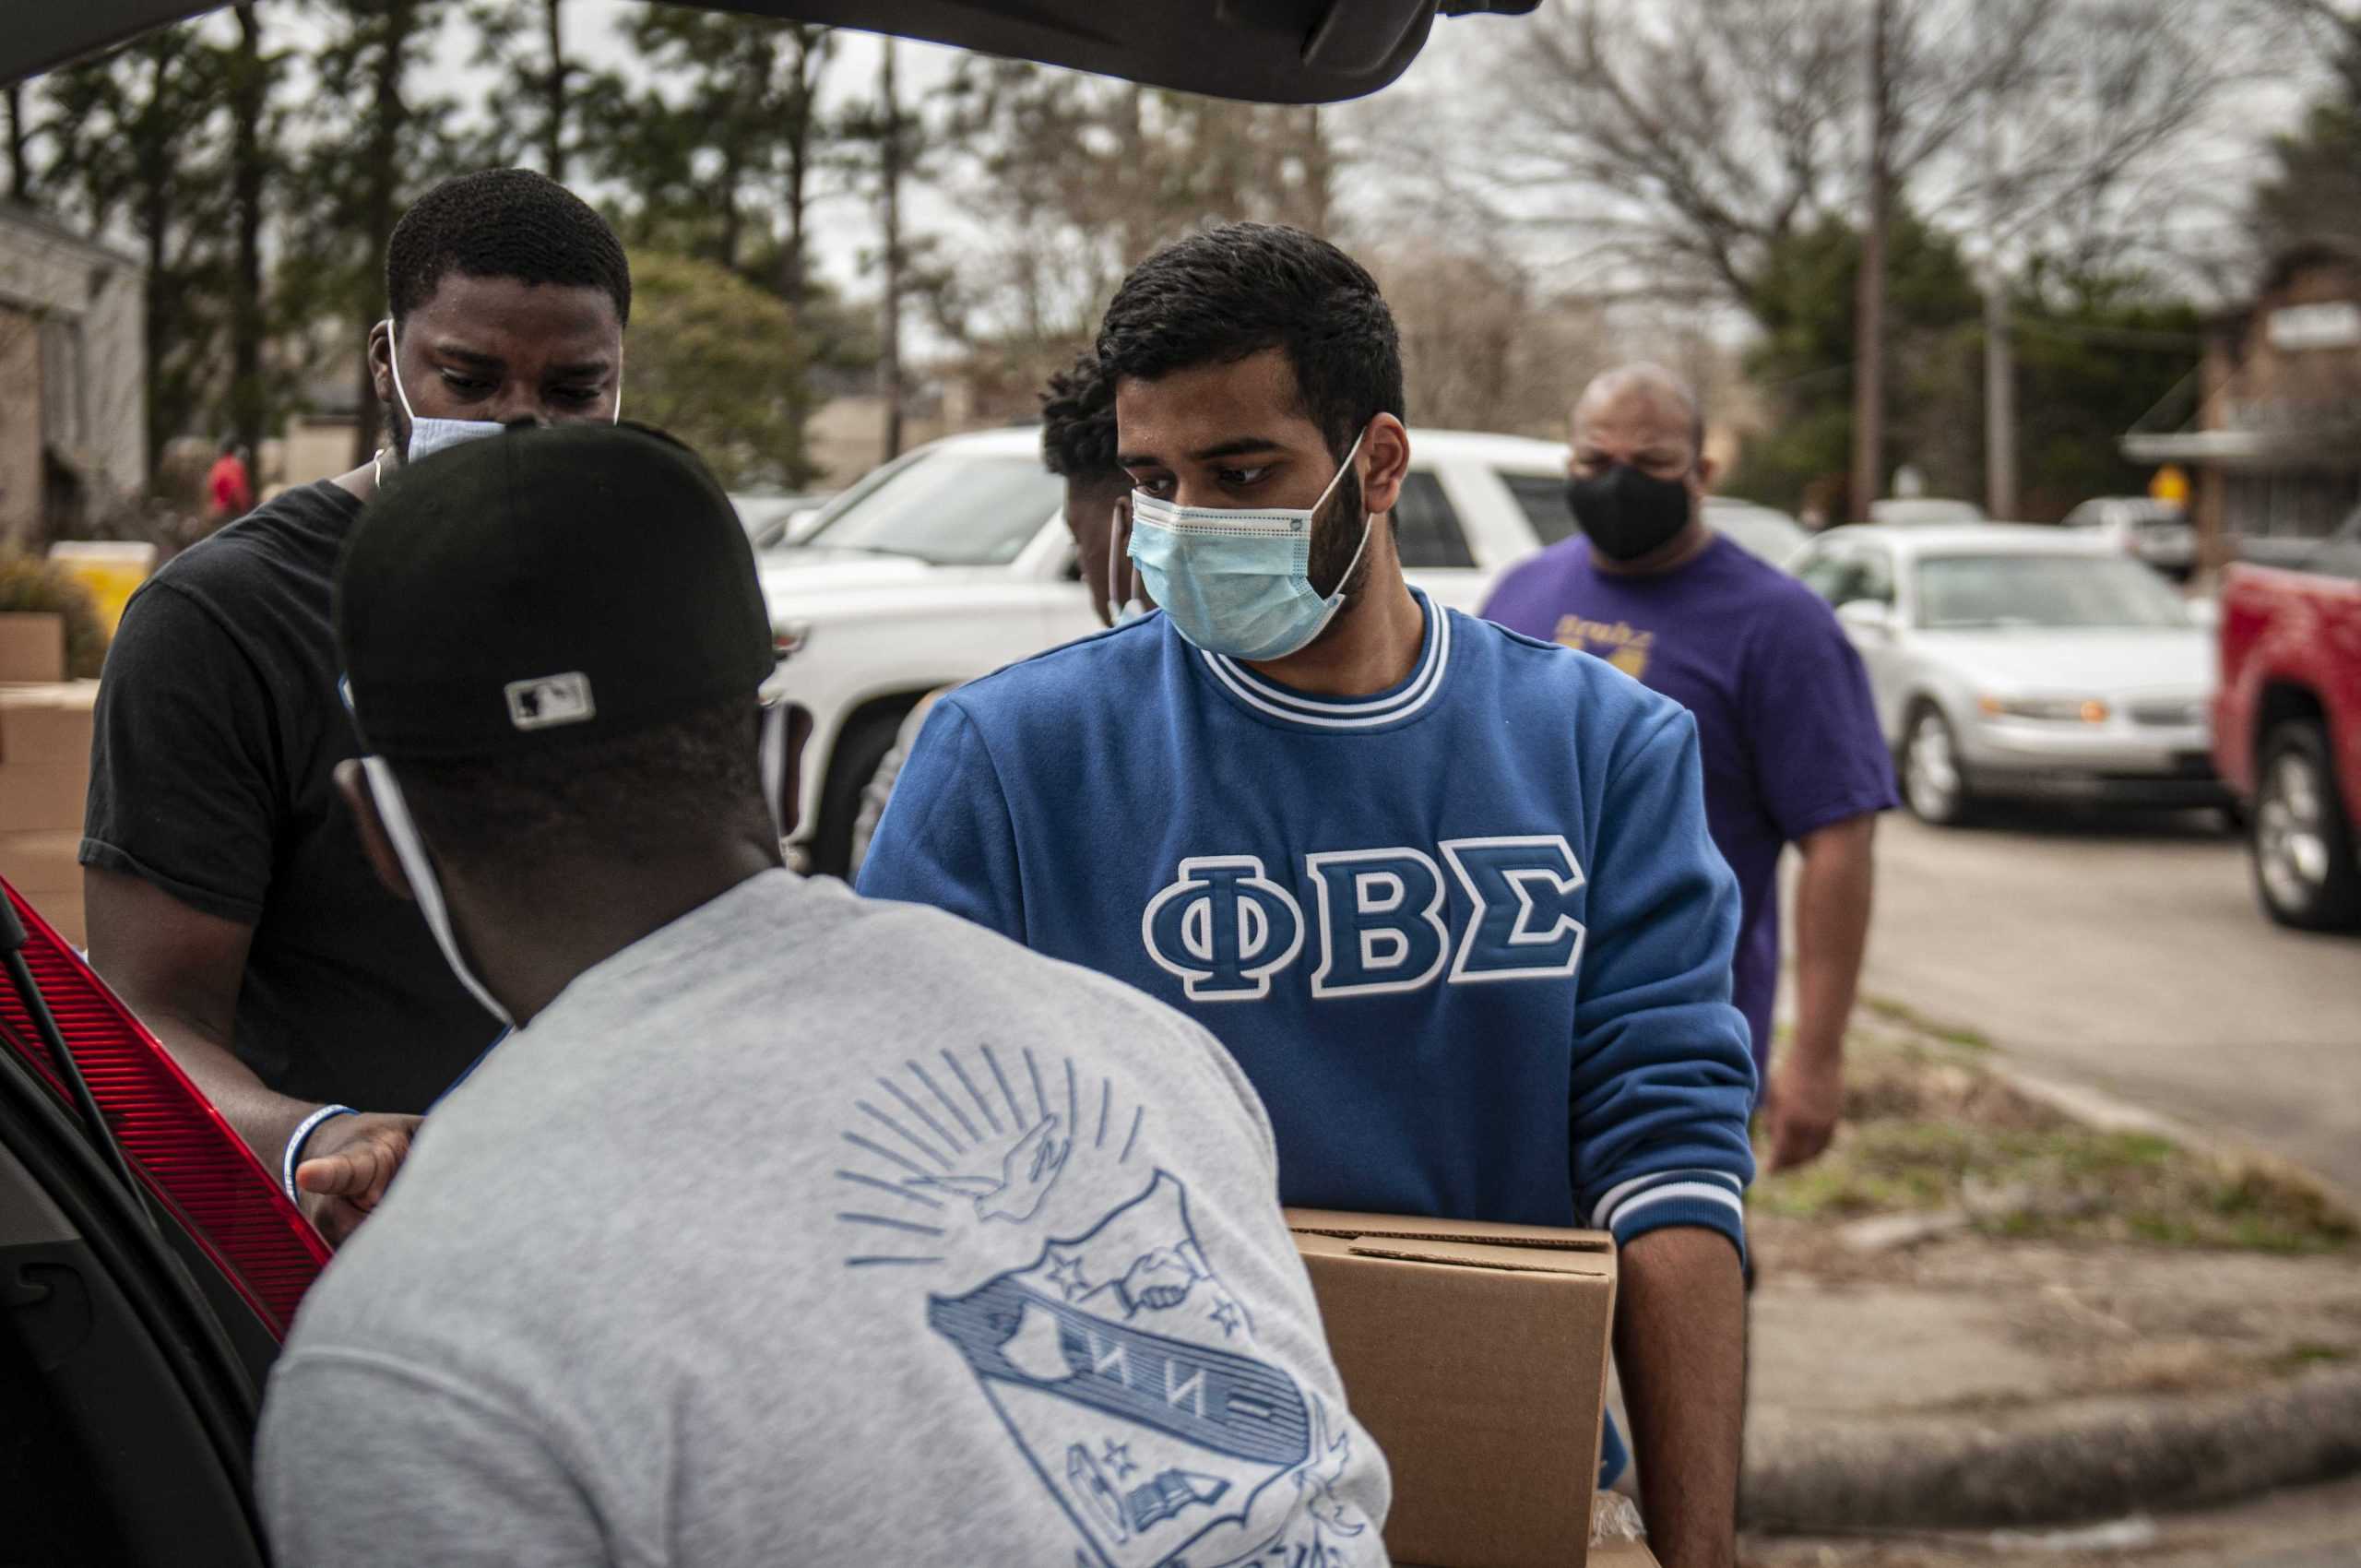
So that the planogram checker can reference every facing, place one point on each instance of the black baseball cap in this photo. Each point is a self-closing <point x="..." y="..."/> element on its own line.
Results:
<point x="546" y="586"/>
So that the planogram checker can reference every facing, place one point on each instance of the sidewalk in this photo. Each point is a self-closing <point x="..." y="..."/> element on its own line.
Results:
<point x="1980" y="1382"/>
<point x="1981" y="1312"/>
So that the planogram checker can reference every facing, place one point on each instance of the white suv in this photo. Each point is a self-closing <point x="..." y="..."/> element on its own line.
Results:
<point x="955" y="560"/>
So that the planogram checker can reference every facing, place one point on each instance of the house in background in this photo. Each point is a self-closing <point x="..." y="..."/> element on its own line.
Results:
<point x="2275" y="441"/>
<point x="73" y="377"/>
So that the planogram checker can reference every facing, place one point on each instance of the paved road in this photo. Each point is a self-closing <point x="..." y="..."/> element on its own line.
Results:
<point x="2128" y="954"/>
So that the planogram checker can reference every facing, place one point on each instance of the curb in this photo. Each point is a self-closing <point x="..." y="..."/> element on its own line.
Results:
<point x="2053" y="1464"/>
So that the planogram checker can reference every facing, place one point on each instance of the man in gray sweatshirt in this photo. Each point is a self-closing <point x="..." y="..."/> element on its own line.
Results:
<point x="784" y="1228"/>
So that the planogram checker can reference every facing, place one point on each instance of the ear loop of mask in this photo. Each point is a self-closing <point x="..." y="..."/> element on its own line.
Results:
<point x="771" y="752"/>
<point x="1119" y="607"/>
<point x="1368" y="525"/>
<point x="393" y="811"/>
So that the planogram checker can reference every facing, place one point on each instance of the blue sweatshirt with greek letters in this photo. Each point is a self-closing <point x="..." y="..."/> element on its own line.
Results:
<point x="1468" y="937"/>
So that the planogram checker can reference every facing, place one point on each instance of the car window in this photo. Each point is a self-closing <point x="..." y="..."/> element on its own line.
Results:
<point x="949" y="508"/>
<point x="1763" y="534"/>
<point x="1875" y="581"/>
<point x="1542" y="499"/>
<point x="1973" y="592"/>
<point x="861" y="489"/>
<point x="1832" y="572"/>
<point x="1426" y="529"/>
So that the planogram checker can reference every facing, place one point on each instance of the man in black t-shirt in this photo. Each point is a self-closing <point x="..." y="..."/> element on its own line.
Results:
<point x="228" y="897"/>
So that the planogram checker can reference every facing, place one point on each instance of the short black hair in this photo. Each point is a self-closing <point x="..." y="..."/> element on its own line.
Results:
<point x="634" y="796"/>
<point x="1078" y="422"/>
<point x="504" y="223"/>
<point x="1228" y="293"/>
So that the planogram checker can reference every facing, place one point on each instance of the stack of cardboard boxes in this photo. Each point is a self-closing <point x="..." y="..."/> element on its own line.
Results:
<point x="44" y="768"/>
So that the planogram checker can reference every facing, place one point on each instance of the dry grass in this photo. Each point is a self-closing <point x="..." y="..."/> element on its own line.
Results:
<point x="1929" y="1127"/>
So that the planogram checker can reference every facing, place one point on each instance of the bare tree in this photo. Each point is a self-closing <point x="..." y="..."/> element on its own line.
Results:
<point x="1074" y="180"/>
<point x="1685" y="149"/>
<point x="1483" y="345"/>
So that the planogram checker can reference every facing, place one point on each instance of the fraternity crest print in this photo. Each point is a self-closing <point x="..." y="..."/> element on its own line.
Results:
<point x="1101" y="1335"/>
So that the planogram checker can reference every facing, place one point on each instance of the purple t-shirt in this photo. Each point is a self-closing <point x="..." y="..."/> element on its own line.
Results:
<point x="1789" y="732"/>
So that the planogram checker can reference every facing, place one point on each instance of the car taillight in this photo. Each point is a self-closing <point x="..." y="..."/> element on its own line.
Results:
<point x="190" y="1158"/>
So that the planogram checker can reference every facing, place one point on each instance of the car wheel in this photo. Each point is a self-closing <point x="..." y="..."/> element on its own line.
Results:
<point x="1932" y="785"/>
<point x="851" y="765"/>
<point x="2301" y="838"/>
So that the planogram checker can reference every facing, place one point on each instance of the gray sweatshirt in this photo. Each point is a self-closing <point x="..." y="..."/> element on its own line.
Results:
<point x="811" y="1230"/>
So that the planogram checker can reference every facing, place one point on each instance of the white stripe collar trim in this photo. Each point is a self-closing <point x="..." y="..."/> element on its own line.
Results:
<point x="1265" y="697"/>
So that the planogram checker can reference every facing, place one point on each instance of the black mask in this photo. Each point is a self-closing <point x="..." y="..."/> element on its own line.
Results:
<point x="1628" y="514"/>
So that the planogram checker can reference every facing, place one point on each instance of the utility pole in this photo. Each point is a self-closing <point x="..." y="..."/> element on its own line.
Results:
<point x="889" y="168"/>
<point x="1868" y="312"/>
<point x="1999" y="349"/>
<point x="1999" y="399"/>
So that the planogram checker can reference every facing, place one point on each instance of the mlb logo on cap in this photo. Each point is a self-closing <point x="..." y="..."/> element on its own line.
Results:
<point x="549" y="700"/>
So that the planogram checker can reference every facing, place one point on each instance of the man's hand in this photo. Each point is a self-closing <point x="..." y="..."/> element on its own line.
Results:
<point x="1802" y="1106"/>
<point x="1804" y="1098"/>
<point x="348" y="1164"/>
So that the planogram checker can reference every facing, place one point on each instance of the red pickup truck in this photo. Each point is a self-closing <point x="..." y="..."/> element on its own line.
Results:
<point x="2287" y="728"/>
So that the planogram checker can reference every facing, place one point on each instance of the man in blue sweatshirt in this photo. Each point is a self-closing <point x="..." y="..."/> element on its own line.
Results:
<point x="1444" y="892"/>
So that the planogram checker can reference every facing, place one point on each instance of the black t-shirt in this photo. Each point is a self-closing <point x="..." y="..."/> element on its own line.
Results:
<point x="212" y="776"/>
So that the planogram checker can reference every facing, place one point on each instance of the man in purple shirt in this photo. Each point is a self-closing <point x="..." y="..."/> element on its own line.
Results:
<point x="1791" y="747"/>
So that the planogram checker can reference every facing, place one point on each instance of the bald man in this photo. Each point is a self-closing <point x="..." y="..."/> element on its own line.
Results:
<point x="1791" y="746"/>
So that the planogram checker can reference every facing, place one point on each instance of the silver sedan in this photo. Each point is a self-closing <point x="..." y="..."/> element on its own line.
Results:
<point x="2024" y="662"/>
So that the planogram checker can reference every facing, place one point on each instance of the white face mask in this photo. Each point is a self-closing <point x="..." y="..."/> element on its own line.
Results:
<point x="426" y="888"/>
<point x="429" y="436"/>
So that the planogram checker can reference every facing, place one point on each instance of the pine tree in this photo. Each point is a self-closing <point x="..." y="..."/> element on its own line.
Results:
<point x="140" y="137"/>
<point x="249" y="73"/>
<point x="375" y="142"/>
<point x="539" y="111"/>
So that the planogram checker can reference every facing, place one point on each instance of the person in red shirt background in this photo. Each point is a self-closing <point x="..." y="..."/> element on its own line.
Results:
<point x="228" y="488"/>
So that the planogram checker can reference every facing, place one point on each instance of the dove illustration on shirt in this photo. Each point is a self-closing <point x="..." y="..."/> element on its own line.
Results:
<point x="1028" y="1171"/>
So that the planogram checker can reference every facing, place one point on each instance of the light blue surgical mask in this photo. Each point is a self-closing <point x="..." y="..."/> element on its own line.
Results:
<point x="1235" y="582"/>
<point x="429" y="436"/>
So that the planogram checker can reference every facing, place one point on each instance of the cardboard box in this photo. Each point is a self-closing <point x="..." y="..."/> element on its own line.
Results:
<point x="32" y="647"/>
<point x="1622" y="1554"/>
<point x="1476" y="1354"/>
<point x="45" y="755"/>
<point x="45" y="869"/>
